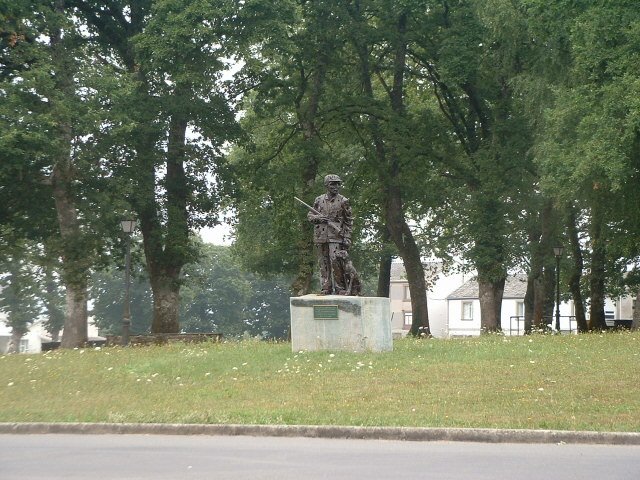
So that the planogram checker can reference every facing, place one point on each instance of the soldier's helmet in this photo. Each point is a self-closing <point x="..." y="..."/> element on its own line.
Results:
<point x="331" y="178"/>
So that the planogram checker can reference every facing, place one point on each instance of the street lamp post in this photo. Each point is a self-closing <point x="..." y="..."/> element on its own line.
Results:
<point x="557" y="251"/>
<point x="127" y="227"/>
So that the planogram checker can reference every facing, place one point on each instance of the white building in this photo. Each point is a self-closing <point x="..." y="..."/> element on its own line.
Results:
<point x="454" y="305"/>
<point x="32" y="341"/>
<point x="439" y="286"/>
<point x="464" y="309"/>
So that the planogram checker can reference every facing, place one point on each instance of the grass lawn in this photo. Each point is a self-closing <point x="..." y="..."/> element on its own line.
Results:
<point x="567" y="382"/>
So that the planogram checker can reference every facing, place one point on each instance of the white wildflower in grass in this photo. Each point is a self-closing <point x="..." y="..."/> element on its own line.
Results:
<point x="541" y="389"/>
<point x="10" y="384"/>
<point x="207" y="374"/>
<point x="244" y="364"/>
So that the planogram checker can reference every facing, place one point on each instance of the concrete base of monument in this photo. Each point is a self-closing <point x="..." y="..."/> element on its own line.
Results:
<point x="336" y="322"/>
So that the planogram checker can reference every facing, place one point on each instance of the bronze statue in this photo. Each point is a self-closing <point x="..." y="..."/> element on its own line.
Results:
<point x="333" y="223"/>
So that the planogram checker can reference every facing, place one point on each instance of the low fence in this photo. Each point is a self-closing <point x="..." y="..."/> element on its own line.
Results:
<point x="568" y="324"/>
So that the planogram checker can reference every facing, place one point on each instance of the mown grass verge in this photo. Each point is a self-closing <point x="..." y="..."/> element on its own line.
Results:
<point x="568" y="382"/>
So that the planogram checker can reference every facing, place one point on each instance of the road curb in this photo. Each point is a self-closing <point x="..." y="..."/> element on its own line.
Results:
<point x="485" y="435"/>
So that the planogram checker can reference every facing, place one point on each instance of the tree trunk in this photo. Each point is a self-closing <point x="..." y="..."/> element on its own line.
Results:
<point x="490" y="293"/>
<point x="540" y="296"/>
<point x="410" y="254"/>
<point x="74" y="254"/>
<point x="166" y="247"/>
<point x="165" y="262"/>
<point x="74" y="269"/>
<point x="14" y="342"/>
<point x="166" y="302"/>
<point x="635" y="324"/>
<point x="597" y="276"/>
<point x="305" y="249"/>
<point x="384" y="274"/>
<point x="55" y="316"/>
<point x="534" y="303"/>
<point x="539" y="240"/>
<point x="575" y="272"/>
<point x="75" y="325"/>
<point x="303" y="281"/>
<point x="548" y="290"/>
<point x="307" y="105"/>
<point x="528" y="304"/>
<point x="388" y="166"/>
<point x="394" y="209"/>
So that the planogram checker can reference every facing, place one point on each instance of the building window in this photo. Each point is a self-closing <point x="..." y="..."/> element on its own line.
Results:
<point x="408" y="319"/>
<point x="467" y="311"/>
<point x="520" y="309"/>
<point x="24" y="345"/>
<point x="407" y="294"/>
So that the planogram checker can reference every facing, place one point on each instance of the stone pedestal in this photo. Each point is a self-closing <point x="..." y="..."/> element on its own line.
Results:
<point x="336" y="322"/>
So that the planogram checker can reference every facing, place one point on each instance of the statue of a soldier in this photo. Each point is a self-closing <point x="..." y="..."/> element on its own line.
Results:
<point x="333" y="224"/>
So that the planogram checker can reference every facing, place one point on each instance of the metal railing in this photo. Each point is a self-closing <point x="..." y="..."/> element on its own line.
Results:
<point x="570" y="326"/>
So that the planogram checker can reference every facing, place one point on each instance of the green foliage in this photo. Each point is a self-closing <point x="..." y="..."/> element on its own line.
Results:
<point x="504" y="104"/>
<point x="219" y="296"/>
<point x="588" y="141"/>
<point x="19" y="282"/>
<point x="216" y="296"/>
<point x="108" y="290"/>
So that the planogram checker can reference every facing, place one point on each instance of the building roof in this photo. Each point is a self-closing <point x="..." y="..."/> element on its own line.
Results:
<point x="399" y="273"/>
<point x="514" y="287"/>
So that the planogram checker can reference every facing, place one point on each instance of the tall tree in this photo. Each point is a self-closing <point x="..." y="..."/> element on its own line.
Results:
<point x="471" y="64"/>
<point x="168" y="123"/>
<point x="389" y="163"/>
<point x="589" y="145"/>
<point x="286" y="154"/>
<point x="45" y="111"/>
<point x="18" y="291"/>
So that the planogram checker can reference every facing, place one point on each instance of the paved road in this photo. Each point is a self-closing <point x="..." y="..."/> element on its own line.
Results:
<point x="157" y="457"/>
